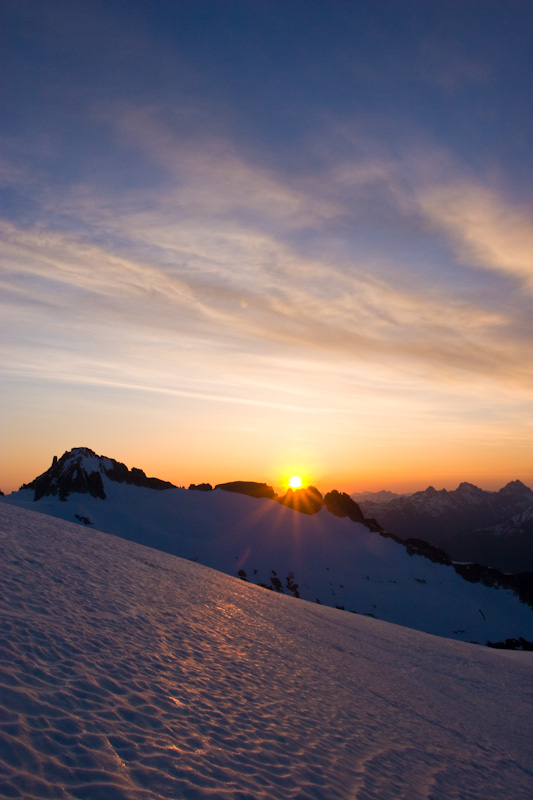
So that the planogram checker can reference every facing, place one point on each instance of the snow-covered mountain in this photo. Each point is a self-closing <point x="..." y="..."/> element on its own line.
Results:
<point x="127" y="673"/>
<point x="520" y="524"/>
<point x="383" y="496"/>
<point x="469" y="524"/>
<point x="81" y="471"/>
<point x="322" y="557"/>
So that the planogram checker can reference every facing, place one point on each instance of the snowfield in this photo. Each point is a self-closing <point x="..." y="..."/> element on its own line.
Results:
<point x="130" y="673"/>
<point x="337" y="561"/>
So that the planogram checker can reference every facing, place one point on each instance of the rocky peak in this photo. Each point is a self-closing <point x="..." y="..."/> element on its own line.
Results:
<point x="79" y="452"/>
<point x="308" y="501"/>
<point x="516" y="490"/>
<point x="68" y="474"/>
<point x="469" y="490"/>
<point x="81" y="470"/>
<point x="341" y="505"/>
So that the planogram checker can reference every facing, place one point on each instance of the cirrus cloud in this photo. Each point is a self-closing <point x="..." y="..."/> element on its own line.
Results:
<point x="484" y="230"/>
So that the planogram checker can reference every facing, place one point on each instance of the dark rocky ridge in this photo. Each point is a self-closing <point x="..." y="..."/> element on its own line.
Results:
<point x="68" y="474"/>
<point x="342" y="505"/>
<point x="250" y="488"/>
<point x="306" y="501"/>
<point x="520" y="583"/>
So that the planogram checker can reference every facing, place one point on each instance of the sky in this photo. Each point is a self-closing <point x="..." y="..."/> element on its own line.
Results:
<point x="244" y="240"/>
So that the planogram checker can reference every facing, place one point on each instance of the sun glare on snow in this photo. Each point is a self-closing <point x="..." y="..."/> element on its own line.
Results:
<point x="295" y="482"/>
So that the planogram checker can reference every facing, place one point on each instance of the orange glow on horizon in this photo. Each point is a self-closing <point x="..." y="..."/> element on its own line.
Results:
<point x="357" y="463"/>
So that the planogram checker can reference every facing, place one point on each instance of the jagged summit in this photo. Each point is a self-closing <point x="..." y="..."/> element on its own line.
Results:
<point x="82" y="470"/>
<point x="468" y="488"/>
<point x="516" y="490"/>
<point x="80" y="451"/>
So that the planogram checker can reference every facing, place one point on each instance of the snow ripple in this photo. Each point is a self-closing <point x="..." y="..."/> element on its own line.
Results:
<point x="128" y="674"/>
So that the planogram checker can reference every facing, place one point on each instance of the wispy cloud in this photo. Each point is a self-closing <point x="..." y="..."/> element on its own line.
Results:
<point x="211" y="271"/>
<point x="204" y="174"/>
<point x="484" y="230"/>
<point x="241" y="291"/>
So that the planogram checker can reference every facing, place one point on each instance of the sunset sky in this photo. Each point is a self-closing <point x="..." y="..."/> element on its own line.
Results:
<point x="242" y="239"/>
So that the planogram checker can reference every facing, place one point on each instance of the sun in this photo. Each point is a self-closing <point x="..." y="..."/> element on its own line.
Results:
<point x="295" y="482"/>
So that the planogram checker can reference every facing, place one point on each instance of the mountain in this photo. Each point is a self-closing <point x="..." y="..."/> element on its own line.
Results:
<point x="383" y="496"/>
<point x="320" y="555"/>
<point x="508" y="543"/>
<point x="131" y="674"/>
<point x="80" y="470"/>
<point x="521" y="523"/>
<point x="469" y="524"/>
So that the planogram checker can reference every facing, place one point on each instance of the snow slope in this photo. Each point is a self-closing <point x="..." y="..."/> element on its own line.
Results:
<point x="334" y="560"/>
<point x="129" y="674"/>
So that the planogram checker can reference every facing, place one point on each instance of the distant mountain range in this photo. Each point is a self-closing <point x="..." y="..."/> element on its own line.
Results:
<point x="470" y="524"/>
<point x="322" y="549"/>
<point x="383" y="496"/>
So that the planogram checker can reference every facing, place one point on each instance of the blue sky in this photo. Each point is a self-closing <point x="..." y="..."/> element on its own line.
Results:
<point x="241" y="239"/>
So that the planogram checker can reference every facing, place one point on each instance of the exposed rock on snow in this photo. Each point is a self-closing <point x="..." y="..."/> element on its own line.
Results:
<point x="342" y="505"/>
<point x="80" y="470"/>
<point x="514" y="535"/>
<point x="306" y="501"/>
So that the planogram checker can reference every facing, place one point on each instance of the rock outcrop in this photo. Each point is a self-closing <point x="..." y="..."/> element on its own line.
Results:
<point x="342" y="505"/>
<point x="307" y="501"/>
<point x="250" y="488"/>
<point x="81" y="470"/>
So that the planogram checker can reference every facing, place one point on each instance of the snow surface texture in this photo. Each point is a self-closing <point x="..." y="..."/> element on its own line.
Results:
<point x="129" y="673"/>
<point x="337" y="561"/>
